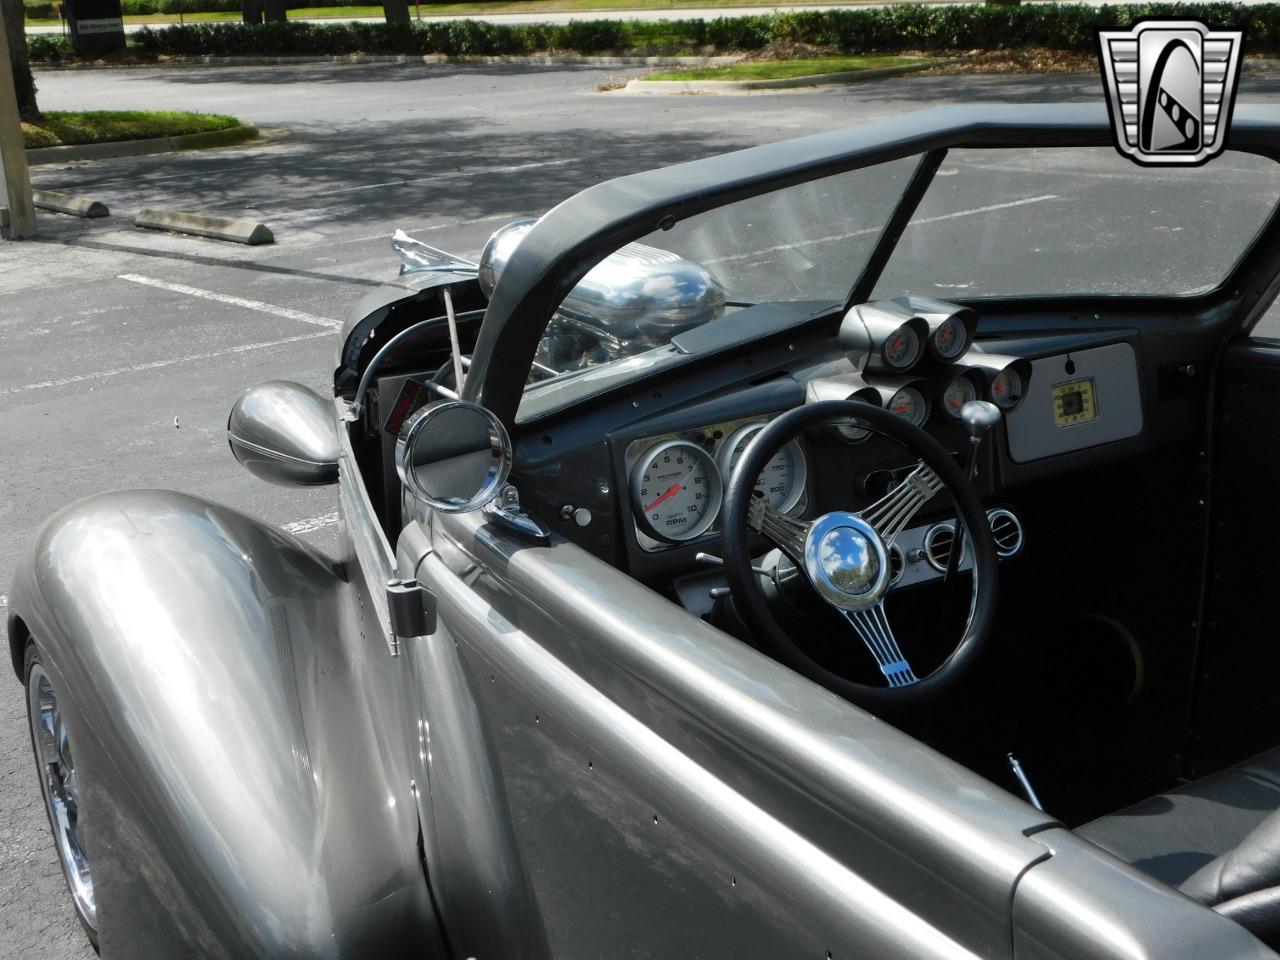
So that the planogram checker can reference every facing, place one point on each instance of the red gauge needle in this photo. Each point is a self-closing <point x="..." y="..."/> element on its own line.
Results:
<point x="675" y="488"/>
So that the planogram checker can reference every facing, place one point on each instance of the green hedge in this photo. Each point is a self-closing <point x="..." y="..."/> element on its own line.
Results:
<point x="903" y="27"/>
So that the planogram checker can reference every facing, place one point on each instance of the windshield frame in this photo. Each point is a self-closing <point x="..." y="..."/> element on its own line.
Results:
<point x="582" y="231"/>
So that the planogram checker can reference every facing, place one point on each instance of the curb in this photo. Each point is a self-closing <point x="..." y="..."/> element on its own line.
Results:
<point x="249" y="232"/>
<point x="667" y="87"/>
<point x="428" y="59"/>
<point x="66" y="203"/>
<point x="142" y="148"/>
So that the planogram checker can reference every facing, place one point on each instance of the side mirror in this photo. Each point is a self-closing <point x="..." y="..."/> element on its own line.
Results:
<point x="453" y="456"/>
<point x="286" y="434"/>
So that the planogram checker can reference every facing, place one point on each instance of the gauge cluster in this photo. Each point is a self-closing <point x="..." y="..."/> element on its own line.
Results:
<point x="676" y="482"/>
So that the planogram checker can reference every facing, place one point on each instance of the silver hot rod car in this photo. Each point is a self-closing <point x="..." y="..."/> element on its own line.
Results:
<point x="665" y="620"/>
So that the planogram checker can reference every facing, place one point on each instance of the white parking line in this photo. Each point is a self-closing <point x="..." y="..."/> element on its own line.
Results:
<point x="867" y="231"/>
<point x="157" y="364"/>
<point x="311" y="523"/>
<point x="4" y="599"/>
<point x="257" y="305"/>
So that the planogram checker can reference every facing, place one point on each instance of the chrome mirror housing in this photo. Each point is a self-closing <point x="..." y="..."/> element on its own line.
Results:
<point x="453" y="456"/>
<point x="286" y="434"/>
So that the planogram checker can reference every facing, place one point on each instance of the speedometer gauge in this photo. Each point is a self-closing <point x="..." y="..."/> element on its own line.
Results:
<point x="781" y="480"/>
<point x="910" y="404"/>
<point x="676" y="490"/>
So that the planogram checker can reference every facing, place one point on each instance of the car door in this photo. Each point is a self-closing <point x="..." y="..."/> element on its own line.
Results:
<point x="1234" y="713"/>
<point x="604" y="774"/>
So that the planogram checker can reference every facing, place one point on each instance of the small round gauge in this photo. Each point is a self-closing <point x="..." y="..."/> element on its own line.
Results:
<point x="901" y="348"/>
<point x="847" y="430"/>
<point x="910" y="404"/>
<point x="781" y="480"/>
<point x="959" y="392"/>
<point x="1006" y="388"/>
<point x="676" y="490"/>
<point x="951" y="338"/>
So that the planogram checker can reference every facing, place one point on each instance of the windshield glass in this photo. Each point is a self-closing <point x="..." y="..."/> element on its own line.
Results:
<point x="807" y="242"/>
<point x="1079" y="220"/>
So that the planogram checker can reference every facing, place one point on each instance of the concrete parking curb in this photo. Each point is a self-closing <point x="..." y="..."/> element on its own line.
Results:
<point x="668" y="87"/>
<point x="141" y="148"/>
<point x="538" y="60"/>
<point x="66" y="203"/>
<point x="249" y="232"/>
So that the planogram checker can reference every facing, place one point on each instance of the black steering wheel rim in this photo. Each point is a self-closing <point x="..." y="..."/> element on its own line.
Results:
<point x="753" y="607"/>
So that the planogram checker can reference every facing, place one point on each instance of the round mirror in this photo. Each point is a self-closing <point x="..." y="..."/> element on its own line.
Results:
<point x="453" y="456"/>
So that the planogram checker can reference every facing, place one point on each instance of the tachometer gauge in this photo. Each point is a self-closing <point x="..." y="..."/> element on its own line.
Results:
<point x="781" y="480"/>
<point x="910" y="404"/>
<point x="950" y="338"/>
<point x="901" y="348"/>
<point x="676" y="490"/>
<point x="1006" y="388"/>
<point x="958" y="392"/>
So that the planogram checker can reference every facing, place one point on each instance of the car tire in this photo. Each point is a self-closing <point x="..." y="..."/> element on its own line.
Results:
<point x="59" y="789"/>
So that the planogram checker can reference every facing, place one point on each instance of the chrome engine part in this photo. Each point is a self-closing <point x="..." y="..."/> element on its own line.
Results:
<point x="637" y="298"/>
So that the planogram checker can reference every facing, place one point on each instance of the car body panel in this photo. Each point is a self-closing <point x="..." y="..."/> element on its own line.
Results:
<point x="767" y="779"/>
<point x="237" y="734"/>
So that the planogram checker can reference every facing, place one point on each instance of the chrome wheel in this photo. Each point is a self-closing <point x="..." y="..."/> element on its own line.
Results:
<point x="56" y="766"/>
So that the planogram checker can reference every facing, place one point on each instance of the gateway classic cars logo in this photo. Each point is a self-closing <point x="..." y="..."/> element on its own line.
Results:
<point x="1170" y="86"/>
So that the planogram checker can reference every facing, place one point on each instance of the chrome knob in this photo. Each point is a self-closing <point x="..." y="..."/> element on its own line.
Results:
<point x="978" y="417"/>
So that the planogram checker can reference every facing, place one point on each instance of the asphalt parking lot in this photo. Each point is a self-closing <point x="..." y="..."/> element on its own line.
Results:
<point x="122" y="351"/>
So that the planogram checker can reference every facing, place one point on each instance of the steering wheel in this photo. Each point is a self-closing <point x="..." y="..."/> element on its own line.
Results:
<point x="845" y="555"/>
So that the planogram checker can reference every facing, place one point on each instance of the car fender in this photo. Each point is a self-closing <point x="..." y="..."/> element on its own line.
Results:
<point x="240" y="797"/>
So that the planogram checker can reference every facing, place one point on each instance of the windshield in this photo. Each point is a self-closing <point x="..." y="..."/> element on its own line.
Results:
<point x="998" y="222"/>
<point x="1079" y="220"/>
<point x="807" y="242"/>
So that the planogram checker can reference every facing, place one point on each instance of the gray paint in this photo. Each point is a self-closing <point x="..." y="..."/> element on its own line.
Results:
<point x="1033" y="434"/>
<point x="238" y="737"/>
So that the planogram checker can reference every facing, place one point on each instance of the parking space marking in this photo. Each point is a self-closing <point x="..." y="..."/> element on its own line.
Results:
<point x="4" y="599"/>
<point x="228" y="299"/>
<point x="311" y="523"/>
<point x="157" y="364"/>
<point x="867" y="231"/>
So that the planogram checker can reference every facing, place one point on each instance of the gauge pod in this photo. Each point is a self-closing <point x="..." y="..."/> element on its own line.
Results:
<point x="844" y="387"/>
<point x="908" y="397"/>
<point x="961" y="385"/>
<point x="951" y="326"/>
<point x="883" y="337"/>
<point x="1007" y="377"/>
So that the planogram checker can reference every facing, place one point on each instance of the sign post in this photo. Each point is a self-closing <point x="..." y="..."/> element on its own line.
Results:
<point x="13" y="155"/>
<point x="97" y="26"/>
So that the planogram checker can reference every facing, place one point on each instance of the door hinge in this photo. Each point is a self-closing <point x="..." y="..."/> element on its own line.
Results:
<point x="412" y="608"/>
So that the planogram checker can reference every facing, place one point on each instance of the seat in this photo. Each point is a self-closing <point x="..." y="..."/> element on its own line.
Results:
<point x="1216" y="839"/>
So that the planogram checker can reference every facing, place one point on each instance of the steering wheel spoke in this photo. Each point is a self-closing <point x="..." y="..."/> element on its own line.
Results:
<point x="788" y="533"/>
<point x="872" y="625"/>
<point x="892" y="512"/>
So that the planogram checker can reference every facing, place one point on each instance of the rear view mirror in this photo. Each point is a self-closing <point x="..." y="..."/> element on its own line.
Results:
<point x="453" y="456"/>
<point x="286" y="434"/>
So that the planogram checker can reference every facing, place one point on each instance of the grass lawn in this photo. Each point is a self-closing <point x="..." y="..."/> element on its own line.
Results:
<point x="58" y="127"/>
<point x="475" y="8"/>
<point x="782" y="69"/>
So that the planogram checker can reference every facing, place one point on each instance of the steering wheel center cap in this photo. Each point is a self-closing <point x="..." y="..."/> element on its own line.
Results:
<point x="846" y="561"/>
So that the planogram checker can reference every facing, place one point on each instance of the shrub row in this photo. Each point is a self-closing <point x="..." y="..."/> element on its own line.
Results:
<point x="903" y="27"/>
<point x="47" y="9"/>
